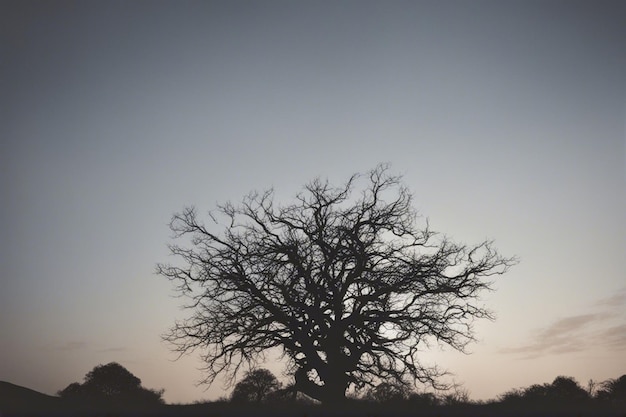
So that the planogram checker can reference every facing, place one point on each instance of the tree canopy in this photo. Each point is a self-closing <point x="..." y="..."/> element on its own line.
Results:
<point x="343" y="280"/>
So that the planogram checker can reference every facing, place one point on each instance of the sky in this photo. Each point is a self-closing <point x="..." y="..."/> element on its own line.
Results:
<point x="507" y="120"/>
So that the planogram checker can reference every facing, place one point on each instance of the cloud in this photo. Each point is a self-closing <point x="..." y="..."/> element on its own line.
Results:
<point x="605" y="329"/>
<point x="113" y="349"/>
<point x="72" y="346"/>
<point x="77" y="345"/>
<point x="563" y="336"/>
<point x="615" y="337"/>
<point x="616" y="300"/>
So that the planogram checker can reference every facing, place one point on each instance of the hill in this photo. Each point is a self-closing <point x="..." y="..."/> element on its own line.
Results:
<point x="14" y="398"/>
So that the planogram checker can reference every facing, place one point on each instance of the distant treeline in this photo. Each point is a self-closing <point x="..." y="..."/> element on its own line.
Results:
<point x="561" y="397"/>
<point x="111" y="391"/>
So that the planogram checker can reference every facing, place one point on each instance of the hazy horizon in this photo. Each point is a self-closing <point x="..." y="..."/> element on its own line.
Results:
<point x="507" y="120"/>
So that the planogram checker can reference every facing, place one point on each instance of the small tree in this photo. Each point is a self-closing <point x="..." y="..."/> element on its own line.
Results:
<point x="113" y="385"/>
<point x="257" y="386"/>
<point x="344" y="282"/>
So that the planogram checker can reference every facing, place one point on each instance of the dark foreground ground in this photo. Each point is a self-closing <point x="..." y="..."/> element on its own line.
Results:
<point x="228" y="410"/>
<point x="16" y="401"/>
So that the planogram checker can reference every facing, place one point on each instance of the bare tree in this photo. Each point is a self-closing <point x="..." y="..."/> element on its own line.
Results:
<point x="342" y="280"/>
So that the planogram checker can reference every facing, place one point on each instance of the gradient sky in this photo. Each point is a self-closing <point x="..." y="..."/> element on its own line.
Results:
<point x="506" y="118"/>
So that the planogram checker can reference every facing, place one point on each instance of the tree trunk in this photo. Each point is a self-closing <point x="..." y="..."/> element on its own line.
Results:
<point x="331" y="393"/>
<point x="334" y="394"/>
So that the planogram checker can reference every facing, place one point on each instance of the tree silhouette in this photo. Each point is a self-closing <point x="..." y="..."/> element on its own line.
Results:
<point x="257" y="386"/>
<point x="111" y="384"/>
<point x="567" y="389"/>
<point x="342" y="280"/>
